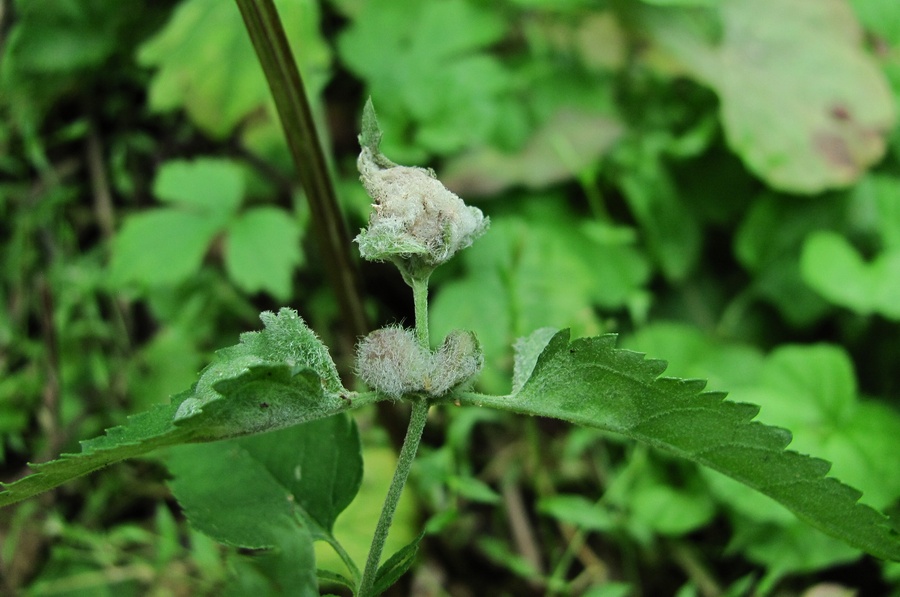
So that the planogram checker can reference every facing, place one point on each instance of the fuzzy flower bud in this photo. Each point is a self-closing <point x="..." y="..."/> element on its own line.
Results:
<point x="457" y="361"/>
<point x="416" y="221"/>
<point x="392" y="361"/>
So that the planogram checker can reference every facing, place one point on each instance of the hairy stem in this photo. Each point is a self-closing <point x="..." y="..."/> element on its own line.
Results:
<point x="407" y="454"/>
<point x="420" y="301"/>
<point x="270" y="42"/>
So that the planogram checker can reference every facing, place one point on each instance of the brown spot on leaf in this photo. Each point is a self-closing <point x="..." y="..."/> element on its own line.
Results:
<point x="835" y="150"/>
<point x="840" y="113"/>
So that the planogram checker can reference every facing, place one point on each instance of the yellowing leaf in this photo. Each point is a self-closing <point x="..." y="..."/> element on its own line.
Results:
<point x="801" y="102"/>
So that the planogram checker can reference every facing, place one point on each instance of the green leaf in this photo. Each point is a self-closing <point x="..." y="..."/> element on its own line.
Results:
<point x="579" y="511"/>
<point x="590" y="382"/>
<point x="812" y="390"/>
<point x="141" y="434"/>
<point x="670" y="511"/>
<point x="206" y="64"/>
<point x="276" y="378"/>
<point x="275" y="358"/>
<point x="801" y="101"/>
<point x="880" y="17"/>
<point x="424" y="65"/>
<point x="672" y="232"/>
<point x="832" y="267"/>
<point x="164" y="247"/>
<point x="161" y="247"/>
<point x="319" y="463"/>
<point x="306" y="474"/>
<point x="208" y="184"/>
<point x="229" y="495"/>
<point x="768" y="244"/>
<point x="263" y="250"/>
<point x="396" y="566"/>
<point x="56" y="37"/>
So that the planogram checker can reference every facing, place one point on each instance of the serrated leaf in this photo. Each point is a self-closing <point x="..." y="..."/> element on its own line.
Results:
<point x="590" y="382"/>
<point x="142" y="433"/>
<point x="263" y="250"/>
<point x="279" y="355"/>
<point x="276" y="378"/>
<point x="833" y="267"/>
<point x="812" y="390"/>
<point x="396" y="566"/>
<point x="162" y="247"/>
<point x="801" y="102"/>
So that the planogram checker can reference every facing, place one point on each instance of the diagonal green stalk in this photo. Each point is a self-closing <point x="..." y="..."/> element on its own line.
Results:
<point x="417" y="420"/>
<point x="270" y="42"/>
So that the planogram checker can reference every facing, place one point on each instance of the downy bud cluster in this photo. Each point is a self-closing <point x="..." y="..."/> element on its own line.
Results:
<point x="392" y="361"/>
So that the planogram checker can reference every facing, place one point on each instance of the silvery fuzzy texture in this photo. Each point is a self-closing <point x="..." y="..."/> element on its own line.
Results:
<point x="457" y="361"/>
<point x="414" y="215"/>
<point x="392" y="361"/>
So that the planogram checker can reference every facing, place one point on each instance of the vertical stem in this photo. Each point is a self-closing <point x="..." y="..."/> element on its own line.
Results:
<point x="270" y="42"/>
<point x="417" y="420"/>
<point x="420" y="303"/>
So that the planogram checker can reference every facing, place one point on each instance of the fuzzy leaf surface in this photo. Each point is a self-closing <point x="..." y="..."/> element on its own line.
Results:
<point x="275" y="378"/>
<point x="590" y="382"/>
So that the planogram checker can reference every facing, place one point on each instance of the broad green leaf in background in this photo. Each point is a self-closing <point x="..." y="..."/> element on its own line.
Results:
<point x="425" y="63"/>
<point x="208" y="185"/>
<point x="579" y="511"/>
<point x="263" y="250"/>
<point x="769" y="241"/>
<point x="206" y="64"/>
<point x="694" y="354"/>
<point x="276" y="378"/>
<point x="62" y="36"/>
<point x="590" y="382"/>
<point x="801" y="102"/>
<point x="354" y="528"/>
<point x="833" y="268"/>
<point x="812" y="391"/>
<point x="164" y="247"/>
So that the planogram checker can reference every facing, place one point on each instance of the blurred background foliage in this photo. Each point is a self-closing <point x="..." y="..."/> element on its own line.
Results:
<point x="716" y="180"/>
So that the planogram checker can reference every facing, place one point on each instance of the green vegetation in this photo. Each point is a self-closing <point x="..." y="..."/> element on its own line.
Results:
<point x="714" y="183"/>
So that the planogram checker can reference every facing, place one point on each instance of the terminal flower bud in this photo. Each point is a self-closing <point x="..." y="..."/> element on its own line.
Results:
<point x="416" y="221"/>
